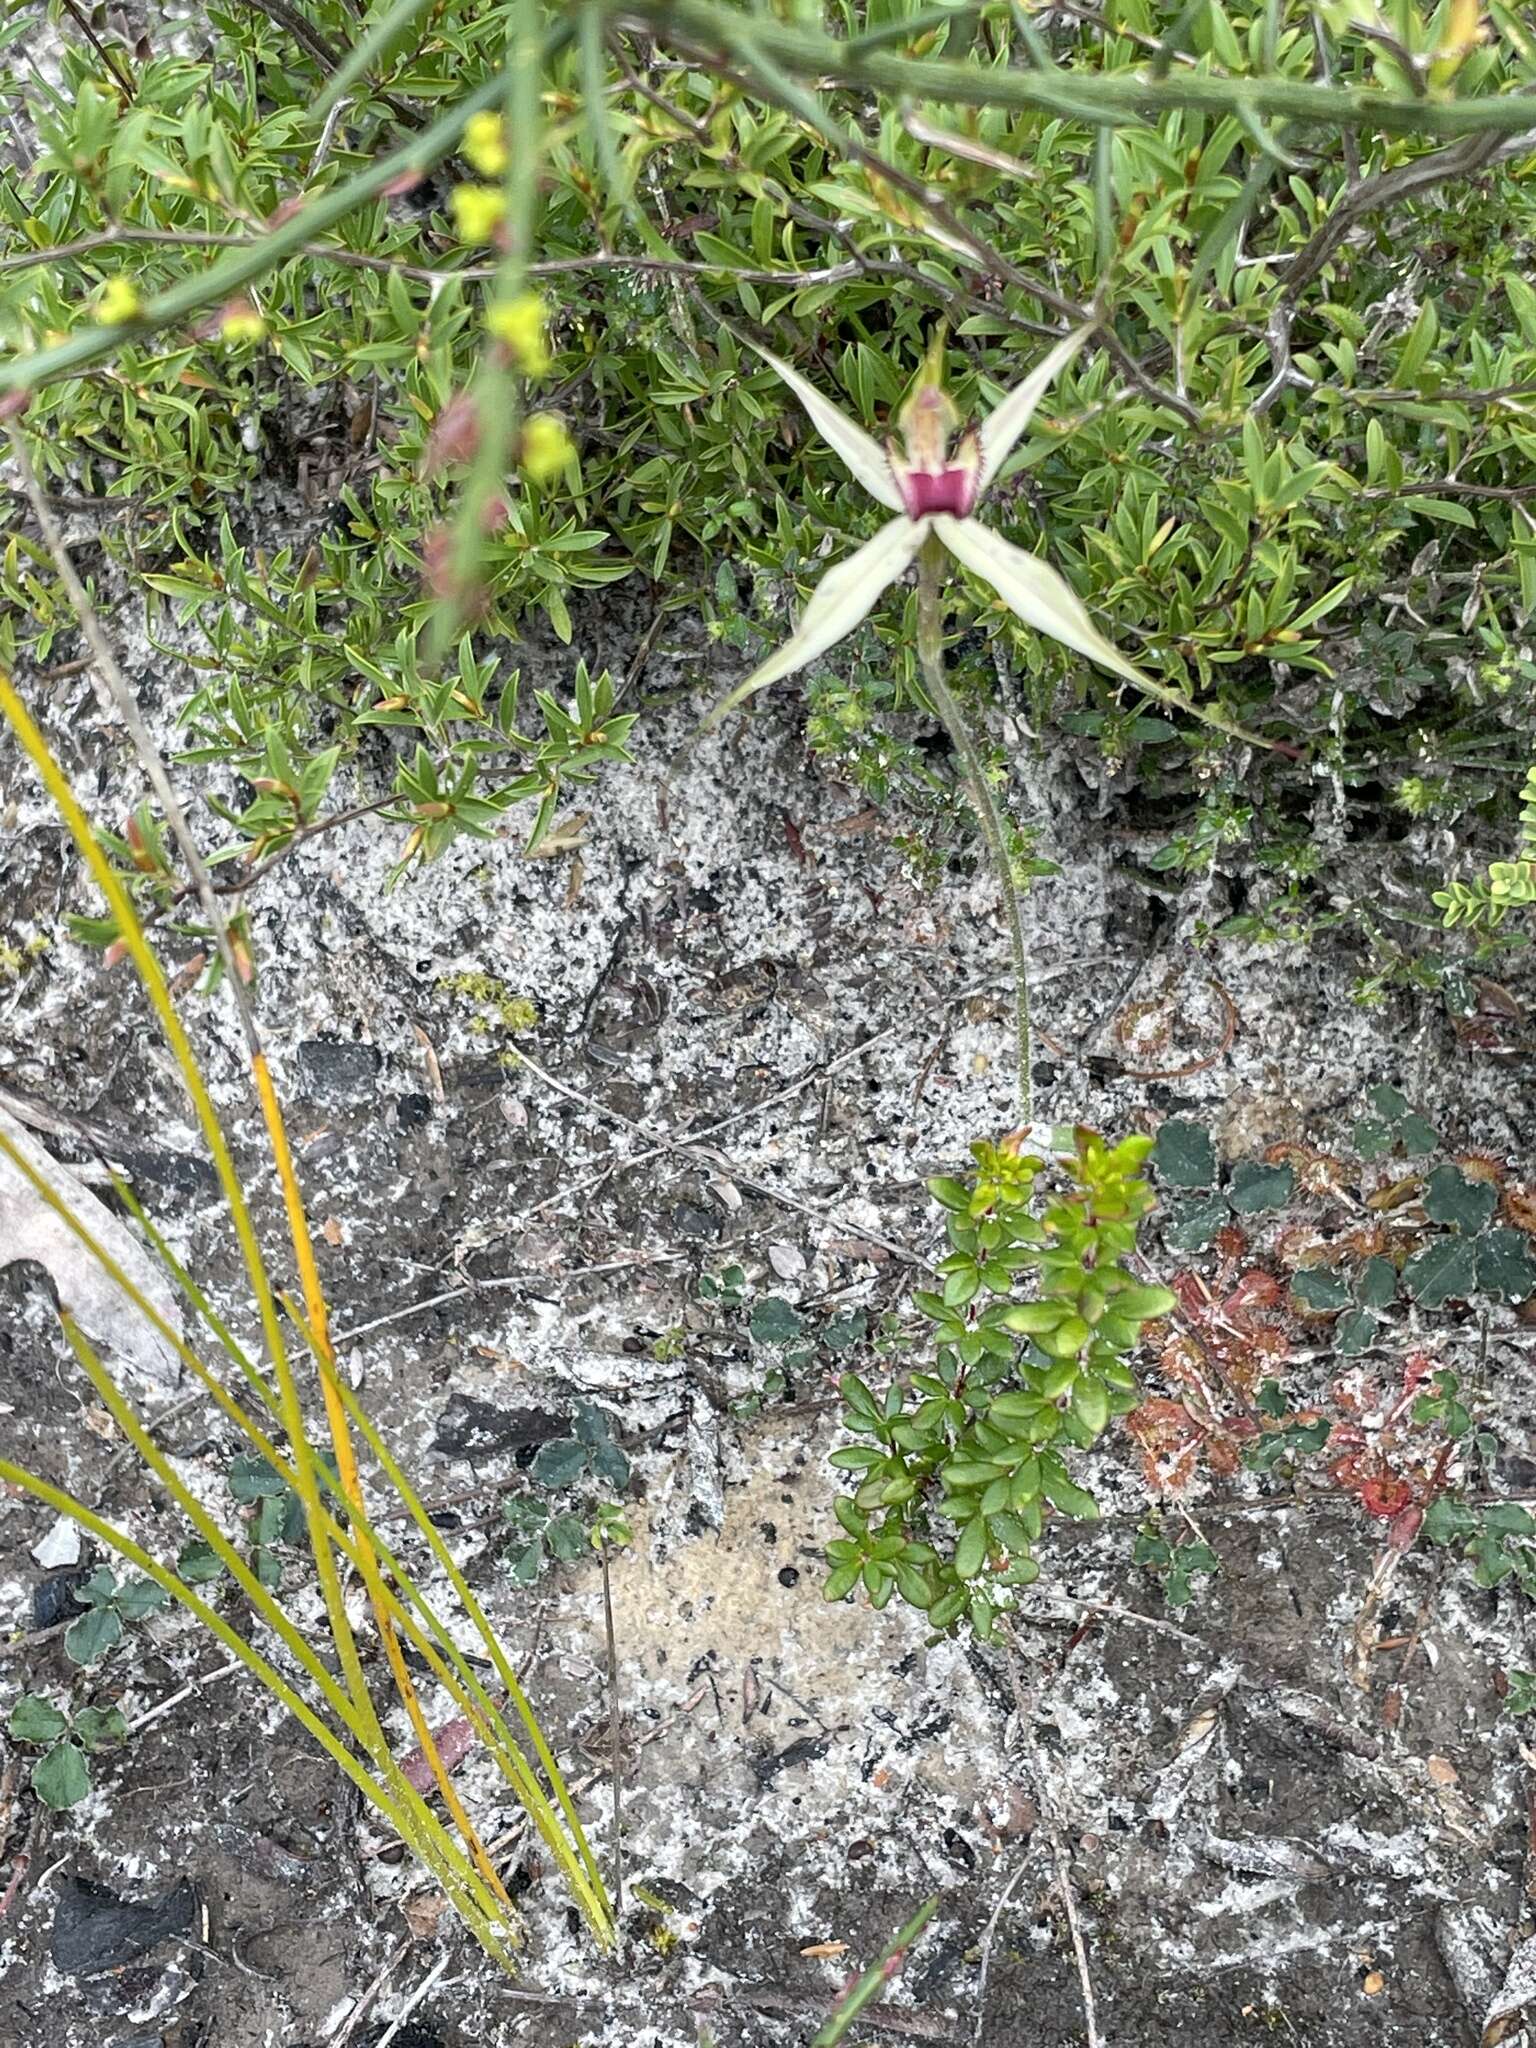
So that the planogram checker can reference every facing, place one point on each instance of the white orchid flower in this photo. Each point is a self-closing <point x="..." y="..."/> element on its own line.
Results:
<point x="934" y="488"/>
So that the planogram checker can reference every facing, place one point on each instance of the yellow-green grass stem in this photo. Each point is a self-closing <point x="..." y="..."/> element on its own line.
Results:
<point x="152" y="976"/>
<point x="463" y="1685"/>
<point x="118" y="1540"/>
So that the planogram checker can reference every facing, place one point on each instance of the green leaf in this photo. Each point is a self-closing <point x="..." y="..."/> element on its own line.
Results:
<point x="34" y="1719"/>
<point x="1443" y="1271"/>
<point x="100" y="1728"/>
<point x="138" y="1597"/>
<point x="971" y="1550"/>
<point x="1184" y="1154"/>
<point x="560" y="1463"/>
<point x="88" y="1640"/>
<point x="61" y="1778"/>
<point x="252" y="1478"/>
<point x="1417" y="1136"/>
<point x="845" y="1331"/>
<point x="1191" y="1226"/>
<point x="841" y="1582"/>
<point x="1254" y="1187"/>
<point x="1505" y="1267"/>
<point x="948" y="1610"/>
<point x="950" y="1194"/>
<point x="611" y="1464"/>
<point x="1452" y="1199"/>
<point x="774" y="1322"/>
<point x="1376" y="1286"/>
<point x="1521" y="1696"/>
<point x="565" y="1537"/>
<point x="1060" y="1491"/>
<point x="1141" y="1304"/>
<point x="1372" y="1138"/>
<point x="197" y="1565"/>
<point x="1355" y="1332"/>
<point x="1090" y="1404"/>
<point x="100" y="1589"/>
<point x="1320" y="1290"/>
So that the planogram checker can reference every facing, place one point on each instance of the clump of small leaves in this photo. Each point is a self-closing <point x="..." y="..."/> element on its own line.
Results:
<point x="276" y="1519"/>
<point x="1484" y="904"/>
<point x="109" y="1602"/>
<point x="590" y="1453"/>
<point x="963" y="1461"/>
<point x="61" y="1776"/>
<point x="1177" y="1565"/>
<point x="541" y="1534"/>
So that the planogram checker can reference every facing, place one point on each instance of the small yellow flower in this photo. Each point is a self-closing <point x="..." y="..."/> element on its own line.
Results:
<point x="119" y="301"/>
<point x="477" y="211"/>
<point x="519" y="323"/>
<point x="547" y="447"/>
<point x="241" y="322"/>
<point x="485" y="144"/>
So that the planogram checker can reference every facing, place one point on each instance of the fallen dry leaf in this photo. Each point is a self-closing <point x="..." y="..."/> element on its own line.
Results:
<point x="826" y="1948"/>
<point x="422" y="1912"/>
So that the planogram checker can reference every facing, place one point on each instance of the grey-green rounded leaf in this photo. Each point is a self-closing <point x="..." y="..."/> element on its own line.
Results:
<point x="61" y="1778"/>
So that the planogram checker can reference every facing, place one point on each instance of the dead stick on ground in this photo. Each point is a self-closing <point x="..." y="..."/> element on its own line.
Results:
<point x="986" y="1949"/>
<point x="1047" y="1797"/>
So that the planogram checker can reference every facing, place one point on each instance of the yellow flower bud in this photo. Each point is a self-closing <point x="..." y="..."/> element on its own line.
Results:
<point x="547" y="447"/>
<point x="119" y="301"/>
<point x="477" y="211"/>
<point x="241" y="322"/>
<point x="485" y="144"/>
<point x="519" y="323"/>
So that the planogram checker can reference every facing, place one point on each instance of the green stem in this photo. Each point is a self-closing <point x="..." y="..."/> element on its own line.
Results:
<point x="930" y="655"/>
<point x="1126" y="98"/>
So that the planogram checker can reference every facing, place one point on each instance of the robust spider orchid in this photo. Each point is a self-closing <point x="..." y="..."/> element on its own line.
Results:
<point x="933" y="483"/>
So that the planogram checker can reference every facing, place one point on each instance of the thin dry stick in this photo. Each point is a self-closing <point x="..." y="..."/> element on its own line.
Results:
<point x="392" y="2031"/>
<point x="1063" y="1866"/>
<point x="690" y="1150"/>
<point x="366" y="2003"/>
<point x="986" y="1949"/>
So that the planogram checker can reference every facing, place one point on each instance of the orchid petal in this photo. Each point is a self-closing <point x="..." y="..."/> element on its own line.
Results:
<point x="1002" y="428"/>
<point x="1033" y="591"/>
<point x="861" y="453"/>
<point x="845" y="596"/>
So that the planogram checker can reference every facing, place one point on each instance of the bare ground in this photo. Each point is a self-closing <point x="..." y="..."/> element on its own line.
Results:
<point x="1253" y="1848"/>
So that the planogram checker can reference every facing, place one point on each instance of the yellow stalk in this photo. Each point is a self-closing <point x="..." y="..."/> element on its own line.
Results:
<point x="346" y="1470"/>
<point x="402" y="1798"/>
<point x="152" y="976"/>
<point x="463" y="1685"/>
<point x="484" y="1928"/>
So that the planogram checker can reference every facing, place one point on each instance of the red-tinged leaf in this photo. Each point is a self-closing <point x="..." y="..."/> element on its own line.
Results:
<point x="453" y="1742"/>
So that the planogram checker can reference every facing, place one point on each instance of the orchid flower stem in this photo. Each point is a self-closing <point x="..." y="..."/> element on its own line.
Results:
<point x="930" y="656"/>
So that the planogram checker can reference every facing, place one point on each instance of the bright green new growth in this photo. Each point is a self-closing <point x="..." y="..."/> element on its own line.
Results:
<point x="965" y="1459"/>
<point x="1482" y="905"/>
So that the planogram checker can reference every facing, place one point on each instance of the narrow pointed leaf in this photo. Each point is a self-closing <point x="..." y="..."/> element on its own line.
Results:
<point x="844" y="596"/>
<point x="1002" y="428"/>
<point x="862" y="454"/>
